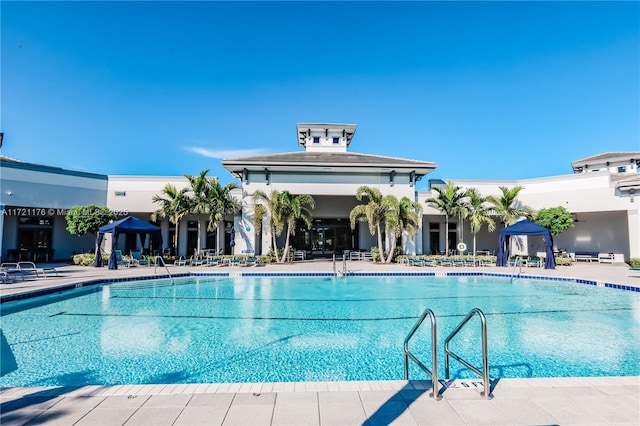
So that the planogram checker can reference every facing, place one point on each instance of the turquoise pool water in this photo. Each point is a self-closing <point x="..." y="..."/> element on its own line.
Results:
<point x="266" y="329"/>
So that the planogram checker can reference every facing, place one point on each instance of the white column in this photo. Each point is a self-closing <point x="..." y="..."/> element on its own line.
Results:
<point x="633" y="218"/>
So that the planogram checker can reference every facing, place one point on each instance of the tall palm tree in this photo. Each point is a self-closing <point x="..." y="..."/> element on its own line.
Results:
<point x="221" y="202"/>
<point x="479" y="210"/>
<point x="374" y="212"/>
<point x="266" y="206"/>
<point x="292" y="208"/>
<point x="283" y="210"/>
<point x="449" y="201"/>
<point x="174" y="205"/>
<point x="199" y="186"/>
<point x="508" y="208"/>
<point x="404" y="217"/>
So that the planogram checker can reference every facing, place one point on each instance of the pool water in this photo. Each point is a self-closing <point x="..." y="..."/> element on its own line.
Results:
<point x="274" y="329"/>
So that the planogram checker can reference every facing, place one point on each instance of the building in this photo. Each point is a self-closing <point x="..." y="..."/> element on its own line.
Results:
<point x="601" y="195"/>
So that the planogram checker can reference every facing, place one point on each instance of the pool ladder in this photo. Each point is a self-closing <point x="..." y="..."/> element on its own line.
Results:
<point x="517" y="262"/>
<point x="434" y="354"/>
<point x="344" y="271"/>
<point x="160" y="260"/>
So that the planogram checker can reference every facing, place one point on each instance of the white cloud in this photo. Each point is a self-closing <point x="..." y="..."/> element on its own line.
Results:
<point x="225" y="153"/>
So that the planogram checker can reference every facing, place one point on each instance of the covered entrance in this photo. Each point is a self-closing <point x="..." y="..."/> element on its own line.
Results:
<point x="326" y="237"/>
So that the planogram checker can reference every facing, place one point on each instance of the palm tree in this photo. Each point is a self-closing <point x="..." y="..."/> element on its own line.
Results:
<point x="479" y="210"/>
<point x="200" y="193"/>
<point x="267" y="206"/>
<point x="449" y="201"/>
<point x="292" y="208"/>
<point x="508" y="208"/>
<point x="221" y="202"/>
<point x="283" y="209"/>
<point x="404" y="217"/>
<point x="374" y="212"/>
<point x="174" y="205"/>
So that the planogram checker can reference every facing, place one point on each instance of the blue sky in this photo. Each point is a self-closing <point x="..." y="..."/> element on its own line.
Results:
<point x="487" y="90"/>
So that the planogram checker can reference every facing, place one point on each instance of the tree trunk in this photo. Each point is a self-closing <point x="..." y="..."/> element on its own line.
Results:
<point x="175" y="239"/>
<point x="391" y="249"/>
<point x="274" y="242"/>
<point x="446" y="236"/>
<point x="474" y="246"/>
<point x="380" y="246"/>
<point x="286" y="247"/>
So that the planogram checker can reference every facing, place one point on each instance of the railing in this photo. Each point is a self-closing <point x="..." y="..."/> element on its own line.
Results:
<point x="157" y="260"/>
<point x="434" y="353"/>
<point x="485" y="356"/>
<point x="517" y="262"/>
<point x="335" y="272"/>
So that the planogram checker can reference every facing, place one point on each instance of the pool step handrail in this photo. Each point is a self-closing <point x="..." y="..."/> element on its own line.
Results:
<point x="516" y="263"/>
<point x="160" y="260"/>
<point x="434" y="353"/>
<point x="485" y="355"/>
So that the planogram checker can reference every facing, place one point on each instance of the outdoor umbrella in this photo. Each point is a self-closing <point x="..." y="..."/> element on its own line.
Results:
<point x="232" y="243"/>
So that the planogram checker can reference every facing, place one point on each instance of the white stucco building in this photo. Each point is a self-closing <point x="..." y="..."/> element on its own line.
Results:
<point x="601" y="194"/>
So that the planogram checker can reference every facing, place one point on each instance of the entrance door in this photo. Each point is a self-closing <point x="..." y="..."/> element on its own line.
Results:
<point x="329" y="236"/>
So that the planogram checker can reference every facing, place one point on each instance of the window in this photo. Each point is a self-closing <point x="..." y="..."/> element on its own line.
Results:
<point x="316" y="139"/>
<point x="336" y="140"/>
<point x="622" y="169"/>
<point x="121" y="193"/>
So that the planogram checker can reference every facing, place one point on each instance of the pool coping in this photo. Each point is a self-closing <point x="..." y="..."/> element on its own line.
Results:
<point x="240" y="274"/>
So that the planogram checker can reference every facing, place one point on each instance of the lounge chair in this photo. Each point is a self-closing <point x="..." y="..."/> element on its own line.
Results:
<point x="121" y="261"/>
<point x="197" y="260"/>
<point x="181" y="261"/>
<point x="445" y="262"/>
<point x="250" y="261"/>
<point x="236" y="261"/>
<point x="136" y="257"/>
<point x="534" y="261"/>
<point x="212" y="261"/>
<point x="416" y="261"/>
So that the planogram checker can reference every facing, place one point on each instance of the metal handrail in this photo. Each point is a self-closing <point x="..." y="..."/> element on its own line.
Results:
<point x="344" y="264"/>
<point x="485" y="355"/>
<point x="155" y="265"/>
<point x="335" y="272"/>
<point x="434" y="353"/>
<point x="518" y="262"/>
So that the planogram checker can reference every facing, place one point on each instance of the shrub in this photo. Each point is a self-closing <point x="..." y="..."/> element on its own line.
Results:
<point x="88" y="259"/>
<point x="634" y="262"/>
<point x="563" y="261"/>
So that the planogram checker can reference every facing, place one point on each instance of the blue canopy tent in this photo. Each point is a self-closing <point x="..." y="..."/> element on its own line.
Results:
<point x="525" y="227"/>
<point x="128" y="225"/>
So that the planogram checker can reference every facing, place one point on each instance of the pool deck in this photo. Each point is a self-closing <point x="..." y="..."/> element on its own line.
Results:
<point x="575" y="400"/>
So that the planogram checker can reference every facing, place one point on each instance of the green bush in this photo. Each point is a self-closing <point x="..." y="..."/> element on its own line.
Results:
<point x="88" y="259"/>
<point x="634" y="262"/>
<point x="563" y="261"/>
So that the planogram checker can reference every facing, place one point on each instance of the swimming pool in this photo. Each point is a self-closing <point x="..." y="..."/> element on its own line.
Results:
<point x="273" y="329"/>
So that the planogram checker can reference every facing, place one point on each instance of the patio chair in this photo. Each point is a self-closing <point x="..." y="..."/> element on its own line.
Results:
<point x="181" y="261"/>
<point x="250" y="261"/>
<point x="299" y="255"/>
<point x="136" y="256"/>
<point x="121" y="261"/>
